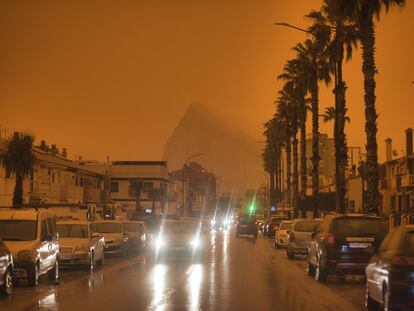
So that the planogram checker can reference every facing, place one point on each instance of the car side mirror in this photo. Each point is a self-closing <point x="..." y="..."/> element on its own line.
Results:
<point x="370" y="250"/>
<point x="96" y="235"/>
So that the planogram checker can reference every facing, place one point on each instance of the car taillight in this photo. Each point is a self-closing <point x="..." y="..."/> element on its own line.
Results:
<point x="329" y="240"/>
<point x="403" y="261"/>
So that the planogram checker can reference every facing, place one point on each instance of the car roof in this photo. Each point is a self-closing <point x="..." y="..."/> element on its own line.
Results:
<point x="354" y="215"/>
<point x="23" y="213"/>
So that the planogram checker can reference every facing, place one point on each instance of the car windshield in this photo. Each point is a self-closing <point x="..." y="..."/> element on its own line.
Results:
<point x="73" y="231"/>
<point x="285" y="225"/>
<point x="131" y="227"/>
<point x="307" y="225"/>
<point x="18" y="230"/>
<point x="352" y="226"/>
<point x="179" y="228"/>
<point x="277" y="220"/>
<point x="109" y="227"/>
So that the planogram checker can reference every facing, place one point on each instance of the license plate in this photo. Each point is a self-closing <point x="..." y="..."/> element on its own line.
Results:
<point x="243" y="226"/>
<point x="359" y="245"/>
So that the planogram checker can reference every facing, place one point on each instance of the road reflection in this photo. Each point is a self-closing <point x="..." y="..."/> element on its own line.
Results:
<point x="49" y="302"/>
<point x="158" y="279"/>
<point x="194" y="279"/>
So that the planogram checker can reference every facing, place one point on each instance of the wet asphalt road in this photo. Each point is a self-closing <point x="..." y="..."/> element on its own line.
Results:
<point x="236" y="274"/>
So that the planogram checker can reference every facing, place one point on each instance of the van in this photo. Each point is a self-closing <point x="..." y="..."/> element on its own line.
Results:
<point x="30" y="234"/>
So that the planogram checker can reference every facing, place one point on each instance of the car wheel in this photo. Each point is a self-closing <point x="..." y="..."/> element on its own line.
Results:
<point x="386" y="305"/>
<point x="290" y="254"/>
<point x="33" y="276"/>
<point x="53" y="274"/>
<point x="320" y="273"/>
<point x="310" y="269"/>
<point x="101" y="261"/>
<point x="370" y="304"/>
<point x="7" y="287"/>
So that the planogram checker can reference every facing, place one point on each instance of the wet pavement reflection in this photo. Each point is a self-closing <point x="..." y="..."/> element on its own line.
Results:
<point x="235" y="274"/>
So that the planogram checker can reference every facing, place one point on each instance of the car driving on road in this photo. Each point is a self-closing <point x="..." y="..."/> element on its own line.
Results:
<point x="80" y="244"/>
<point x="339" y="244"/>
<point x="177" y="239"/>
<point x="282" y="233"/>
<point x="246" y="225"/>
<point x="116" y="238"/>
<point x="300" y="235"/>
<point x="30" y="235"/>
<point x="272" y="225"/>
<point x="6" y="270"/>
<point x="136" y="235"/>
<point x="390" y="272"/>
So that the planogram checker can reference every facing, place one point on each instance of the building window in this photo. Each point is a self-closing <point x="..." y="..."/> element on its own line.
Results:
<point x="114" y="186"/>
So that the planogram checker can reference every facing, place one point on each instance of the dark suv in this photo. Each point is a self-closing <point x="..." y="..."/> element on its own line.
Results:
<point x="246" y="225"/>
<point x="339" y="244"/>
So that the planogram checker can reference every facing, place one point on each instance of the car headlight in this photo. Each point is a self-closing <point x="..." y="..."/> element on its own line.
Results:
<point x="81" y="249"/>
<point x="24" y="255"/>
<point x="195" y="243"/>
<point x="159" y="243"/>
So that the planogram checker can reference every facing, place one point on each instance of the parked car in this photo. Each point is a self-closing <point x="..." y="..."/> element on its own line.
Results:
<point x="390" y="272"/>
<point x="30" y="235"/>
<point x="282" y="233"/>
<point x="338" y="245"/>
<point x="116" y="238"/>
<point x="6" y="270"/>
<point x="246" y="225"/>
<point x="300" y="235"/>
<point x="271" y="226"/>
<point x="80" y="244"/>
<point x="136" y="235"/>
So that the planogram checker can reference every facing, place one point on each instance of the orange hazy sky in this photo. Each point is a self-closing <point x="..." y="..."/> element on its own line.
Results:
<point x="113" y="78"/>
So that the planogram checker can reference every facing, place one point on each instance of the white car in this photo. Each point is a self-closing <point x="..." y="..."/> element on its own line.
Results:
<point x="282" y="234"/>
<point x="116" y="238"/>
<point x="80" y="244"/>
<point x="30" y="235"/>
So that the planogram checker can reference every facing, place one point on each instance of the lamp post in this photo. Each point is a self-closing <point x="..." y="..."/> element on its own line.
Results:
<point x="183" y="192"/>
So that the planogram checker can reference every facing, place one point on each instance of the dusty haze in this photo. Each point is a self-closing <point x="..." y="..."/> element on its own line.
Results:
<point x="115" y="77"/>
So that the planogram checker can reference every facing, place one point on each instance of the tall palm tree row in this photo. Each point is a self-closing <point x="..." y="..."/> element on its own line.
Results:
<point x="363" y="13"/>
<point x="18" y="160"/>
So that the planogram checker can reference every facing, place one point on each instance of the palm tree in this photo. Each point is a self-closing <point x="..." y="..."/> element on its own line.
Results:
<point x="269" y="156"/>
<point x="135" y="189"/>
<point x="288" y="110"/>
<point x="18" y="160"/>
<point x="363" y="12"/>
<point x="312" y="55"/>
<point x="342" y="39"/>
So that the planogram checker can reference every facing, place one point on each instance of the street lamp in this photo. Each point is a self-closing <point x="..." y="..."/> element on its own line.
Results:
<point x="184" y="167"/>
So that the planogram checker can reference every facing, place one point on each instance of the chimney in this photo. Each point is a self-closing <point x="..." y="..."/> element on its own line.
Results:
<point x="64" y="152"/>
<point x="388" y="149"/>
<point x="409" y="141"/>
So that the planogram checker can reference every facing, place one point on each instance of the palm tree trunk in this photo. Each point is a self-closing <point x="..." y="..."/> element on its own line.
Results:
<point x="303" y="175"/>
<point x="18" y="192"/>
<point x="289" y="172"/>
<point x="315" y="148"/>
<point x="295" y="176"/>
<point x="369" y="70"/>
<point x="272" y="186"/>
<point x="340" y="148"/>
<point x="138" y="202"/>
